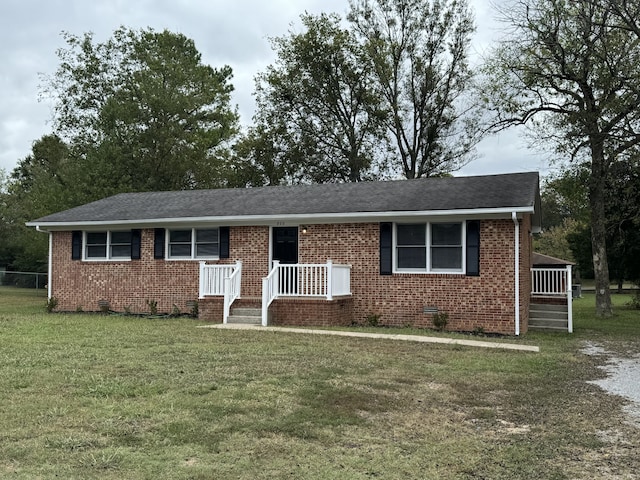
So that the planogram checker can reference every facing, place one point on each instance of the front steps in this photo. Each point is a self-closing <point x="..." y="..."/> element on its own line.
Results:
<point x="548" y="318"/>
<point x="246" y="314"/>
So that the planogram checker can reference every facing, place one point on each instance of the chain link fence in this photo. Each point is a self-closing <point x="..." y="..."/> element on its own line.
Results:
<point x="23" y="279"/>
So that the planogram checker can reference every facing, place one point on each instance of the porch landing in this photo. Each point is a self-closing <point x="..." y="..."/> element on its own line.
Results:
<point x="383" y="336"/>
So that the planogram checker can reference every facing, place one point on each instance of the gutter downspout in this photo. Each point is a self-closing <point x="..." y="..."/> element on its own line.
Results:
<point x="514" y="217"/>
<point x="49" y="262"/>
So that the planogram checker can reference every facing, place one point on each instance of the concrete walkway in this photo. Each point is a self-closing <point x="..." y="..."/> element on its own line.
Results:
<point x="384" y="336"/>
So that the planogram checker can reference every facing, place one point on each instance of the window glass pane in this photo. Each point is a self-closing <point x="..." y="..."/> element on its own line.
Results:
<point x="446" y="258"/>
<point x="180" y="236"/>
<point x="411" y="234"/>
<point x="209" y="236"/>
<point x="180" y="250"/>
<point x="207" y="250"/>
<point x="96" y="251"/>
<point x="446" y="234"/>
<point x="412" y="257"/>
<point x="121" y="237"/>
<point x="96" y="238"/>
<point x="120" y="251"/>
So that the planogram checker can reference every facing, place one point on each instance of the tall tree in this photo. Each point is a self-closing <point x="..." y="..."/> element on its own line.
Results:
<point x="41" y="183"/>
<point x="318" y="101"/>
<point x="572" y="69"/>
<point x="141" y="111"/>
<point x="419" y="52"/>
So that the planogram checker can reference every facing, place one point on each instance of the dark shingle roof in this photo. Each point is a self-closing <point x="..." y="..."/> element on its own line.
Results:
<point x="518" y="190"/>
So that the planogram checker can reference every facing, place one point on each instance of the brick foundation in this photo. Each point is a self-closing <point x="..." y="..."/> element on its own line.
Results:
<point x="311" y="312"/>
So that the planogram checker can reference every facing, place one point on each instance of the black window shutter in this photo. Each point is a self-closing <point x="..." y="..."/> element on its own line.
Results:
<point x="473" y="248"/>
<point x="136" y="238"/>
<point x="224" y="242"/>
<point x="386" y="248"/>
<point x="76" y="245"/>
<point x="158" y="244"/>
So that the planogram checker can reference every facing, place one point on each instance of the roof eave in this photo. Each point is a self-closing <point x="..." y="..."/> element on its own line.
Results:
<point x="287" y="218"/>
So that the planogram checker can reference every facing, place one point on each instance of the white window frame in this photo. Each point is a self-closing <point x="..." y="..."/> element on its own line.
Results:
<point x="194" y="244"/>
<point x="428" y="267"/>
<point x="108" y="257"/>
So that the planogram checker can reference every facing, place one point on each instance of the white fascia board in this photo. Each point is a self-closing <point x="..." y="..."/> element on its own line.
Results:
<point x="291" y="219"/>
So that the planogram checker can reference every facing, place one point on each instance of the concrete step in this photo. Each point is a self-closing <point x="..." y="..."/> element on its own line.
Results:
<point x="246" y="312"/>
<point x="245" y="320"/>
<point x="245" y="315"/>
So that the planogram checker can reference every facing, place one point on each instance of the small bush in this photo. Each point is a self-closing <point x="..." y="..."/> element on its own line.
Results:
<point x="51" y="305"/>
<point x="635" y="301"/>
<point x="175" y="311"/>
<point x="373" y="319"/>
<point x="194" y="309"/>
<point x="440" y="320"/>
<point x="153" y="306"/>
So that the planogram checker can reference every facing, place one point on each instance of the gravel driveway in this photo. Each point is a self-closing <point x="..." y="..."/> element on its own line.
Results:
<point x="623" y="378"/>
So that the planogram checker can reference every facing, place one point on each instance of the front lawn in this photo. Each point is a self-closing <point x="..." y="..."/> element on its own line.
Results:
<point x="111" y="397"/>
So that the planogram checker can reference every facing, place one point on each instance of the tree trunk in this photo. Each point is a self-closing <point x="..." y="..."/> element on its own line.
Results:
<point x="598" y="230"/>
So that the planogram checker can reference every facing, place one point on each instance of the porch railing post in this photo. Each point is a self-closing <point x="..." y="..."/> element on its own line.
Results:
<point x="202" y="281"/>
<point x="227" y="298"/>
<point x="569" y="300"/>
<point x="329" y="280"/>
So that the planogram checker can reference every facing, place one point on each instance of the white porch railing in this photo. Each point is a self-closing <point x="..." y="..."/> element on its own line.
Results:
<point x="221" y="280"/>
<point x="212" y="279"/>
<point x="554" y="282"/>
<point x="323" y="280"/>
<point x="232" y="286"/>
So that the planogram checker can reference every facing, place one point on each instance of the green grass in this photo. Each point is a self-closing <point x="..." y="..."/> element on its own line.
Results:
<point x="110" y="397"/>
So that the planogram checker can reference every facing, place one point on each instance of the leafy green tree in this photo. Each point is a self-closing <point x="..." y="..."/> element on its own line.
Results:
<point x="142" y="112"/>
<point x="554" y="240"/>
<point x="260" y="158"/>
<point x="565" y="196"/>
<point x="572" y="70"/>
<point x="419" y="53"/>
<point x="317" y="104"/>
<point x="43" y="182"/>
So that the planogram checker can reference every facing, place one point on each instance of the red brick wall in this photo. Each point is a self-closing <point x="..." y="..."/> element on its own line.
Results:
<point x="311" y="312"/>
<point x="485" y="302"/>
<point x="128" y="285"/>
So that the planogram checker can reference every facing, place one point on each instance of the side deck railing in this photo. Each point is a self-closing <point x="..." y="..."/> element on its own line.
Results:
<point x="322" y="280"/>
<point x="553" y="282"/>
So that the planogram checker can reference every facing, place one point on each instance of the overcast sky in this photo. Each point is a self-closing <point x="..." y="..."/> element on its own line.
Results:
<point x="231" y="33"/>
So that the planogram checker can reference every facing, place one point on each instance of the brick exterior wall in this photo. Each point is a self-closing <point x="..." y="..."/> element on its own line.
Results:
<point x="128" y="285"/>
<point x="312" y="312"/>
<point x="486" y="302"/>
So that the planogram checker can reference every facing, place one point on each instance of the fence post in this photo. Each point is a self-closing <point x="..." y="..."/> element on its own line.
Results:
<point x="329" y="280"/>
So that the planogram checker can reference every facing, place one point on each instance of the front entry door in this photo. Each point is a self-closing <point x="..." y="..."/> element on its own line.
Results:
<point x="284" y="248"/>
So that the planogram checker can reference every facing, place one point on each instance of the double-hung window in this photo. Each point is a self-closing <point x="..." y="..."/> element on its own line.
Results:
<point x="429" y="247"/>
<point x="108" y="245"/>
<point x="194" y="243"/>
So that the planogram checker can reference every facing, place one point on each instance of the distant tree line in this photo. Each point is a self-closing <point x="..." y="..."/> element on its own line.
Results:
<point x="387" y="91"/>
